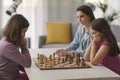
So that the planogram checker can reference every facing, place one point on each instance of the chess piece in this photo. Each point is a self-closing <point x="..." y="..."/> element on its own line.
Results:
<point x="38" y="56"/>
<point x="50" y="64"/>
<point x="58" y="60"/>
<point x="66" y="58"/>
<point x="50" y="57"/>
<point x="41" y="58"/>
<point x="45" y="59"/>
<point x="78" y="59"/>
<point x="54" y="62"/>
<point x="54" y="56"/>
<point x="70" y="59"/>
<point x="63" y="60"/>
<point x="59" y="56"/>
<point x="45" y="64"/>
<point x="73" y="54"/>
<point x="82" y="62"/>
<point x="79" y="55"/>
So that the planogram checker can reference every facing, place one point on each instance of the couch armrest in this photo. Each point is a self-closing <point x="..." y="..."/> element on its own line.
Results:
<point x="28" y="42"/>
<point x="118" y="44"/>
<point x="42" y="40"/>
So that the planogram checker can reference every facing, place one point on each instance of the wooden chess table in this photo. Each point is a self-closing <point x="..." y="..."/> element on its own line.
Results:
<point x="98" y="72"/>
<point x="52" y="62"/>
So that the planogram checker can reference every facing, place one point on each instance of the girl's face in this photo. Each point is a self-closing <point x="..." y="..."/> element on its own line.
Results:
<point x="83" y="18"/>
<point x="95" y="33"/>
<point x="23" y="32"/>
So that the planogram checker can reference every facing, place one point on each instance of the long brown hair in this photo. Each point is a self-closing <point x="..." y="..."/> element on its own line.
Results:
<point x="13" y="28"/>
<point x="102" y="26"/>
<point x="87" y="10"/>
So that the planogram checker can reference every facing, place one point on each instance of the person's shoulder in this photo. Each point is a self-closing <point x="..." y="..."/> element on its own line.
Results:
<point x="5" y="43"/>
<point x="80" y="27"/>
<point x="105" y="42"/>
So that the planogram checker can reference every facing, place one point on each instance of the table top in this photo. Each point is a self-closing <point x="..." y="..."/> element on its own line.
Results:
<point x="94" y="73"/>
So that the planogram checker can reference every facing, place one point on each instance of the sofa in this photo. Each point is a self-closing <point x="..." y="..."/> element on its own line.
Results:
<point x="115" y="29"/>
<point x="42" y="38"/>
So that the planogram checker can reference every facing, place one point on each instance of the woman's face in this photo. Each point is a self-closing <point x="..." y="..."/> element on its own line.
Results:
<point x="83" y="18"/>
<point x="95" y="33"/>
<point x="23" y="32"/>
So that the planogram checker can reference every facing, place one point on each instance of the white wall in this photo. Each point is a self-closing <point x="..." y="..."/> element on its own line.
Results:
<point x="59" y="11"/>
<point x="0" y="11"/>
<point x="115" y="5"/>
<point x="48" y="10"/>
<point x="63" y="10"/>
<point x="0" y="17"/>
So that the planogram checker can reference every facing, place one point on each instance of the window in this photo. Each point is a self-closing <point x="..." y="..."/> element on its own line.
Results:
<point x="33" y="11"/>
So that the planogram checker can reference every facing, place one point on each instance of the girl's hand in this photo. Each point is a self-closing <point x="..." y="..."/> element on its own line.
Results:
<point x="95" y="39"/>
<point x="23" y="42"/>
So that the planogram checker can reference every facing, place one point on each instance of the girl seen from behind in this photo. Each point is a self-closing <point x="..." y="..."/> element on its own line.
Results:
<point x="103" y="47"/>
<point x="13" y="51"/>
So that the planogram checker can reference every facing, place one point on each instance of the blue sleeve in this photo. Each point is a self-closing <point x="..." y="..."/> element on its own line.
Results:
<point x="83" y="51"/>
<point x="75" y="43"/>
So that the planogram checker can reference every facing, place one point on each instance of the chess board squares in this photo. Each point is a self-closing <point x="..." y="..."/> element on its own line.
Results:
<point x="58" y="62"/>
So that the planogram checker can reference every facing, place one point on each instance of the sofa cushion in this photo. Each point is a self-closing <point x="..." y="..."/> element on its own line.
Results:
<point x="55" y="45"/>
<point x="58" y="32"/>
<point x="74" y="28"/>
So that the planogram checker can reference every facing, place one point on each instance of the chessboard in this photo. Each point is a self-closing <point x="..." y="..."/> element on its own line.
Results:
<point x="56" y="62"/>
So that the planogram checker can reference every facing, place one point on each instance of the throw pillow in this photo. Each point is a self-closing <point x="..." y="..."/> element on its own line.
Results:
<point x="58" y="32"/>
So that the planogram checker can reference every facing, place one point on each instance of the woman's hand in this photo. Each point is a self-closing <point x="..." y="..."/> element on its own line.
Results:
<point x="63" y="52"/>
<point x="58" y="51"/>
